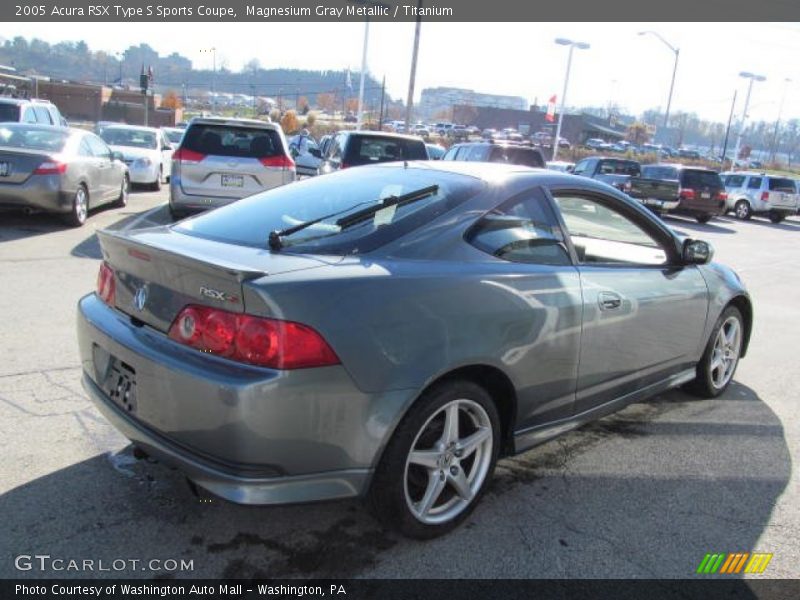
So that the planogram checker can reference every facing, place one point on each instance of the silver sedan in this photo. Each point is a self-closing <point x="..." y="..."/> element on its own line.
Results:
<point x="60" y="170"/>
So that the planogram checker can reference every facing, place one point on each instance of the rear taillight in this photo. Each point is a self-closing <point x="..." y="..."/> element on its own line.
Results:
<point x="106" y="286"/>
<point x="686" y="194"/>
<point x="255" y="340"/>
<point x="344" y="165"/>
<point x="282" y="161"/>
<point x="187" y="156"/>
<point x="722" y="196"/>
<point x="51" y="167"/>
<point x="764" y="196"/>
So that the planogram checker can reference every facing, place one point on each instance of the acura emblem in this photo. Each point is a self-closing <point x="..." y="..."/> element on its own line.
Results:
<point x="140" y="298"/>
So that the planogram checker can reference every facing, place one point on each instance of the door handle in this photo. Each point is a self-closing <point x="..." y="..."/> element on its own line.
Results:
<point x="609" y="300"/>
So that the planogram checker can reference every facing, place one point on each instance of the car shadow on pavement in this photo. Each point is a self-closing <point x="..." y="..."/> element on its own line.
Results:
<point x="785" y="225"/>
<point x="644" y="493"/>
<point x="712" y="226"/>
<point x="90" y="247"/>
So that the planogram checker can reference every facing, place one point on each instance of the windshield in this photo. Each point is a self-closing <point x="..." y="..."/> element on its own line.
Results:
<point x="34" y="138"/>
<point x="697" y="178"/>
<point x="363" y="150"/>
<point x="135" y="138"/>
<point x="249" y="222"/>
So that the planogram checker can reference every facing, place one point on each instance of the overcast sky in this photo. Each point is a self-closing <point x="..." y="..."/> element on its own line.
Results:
<point x="518" y="59"/>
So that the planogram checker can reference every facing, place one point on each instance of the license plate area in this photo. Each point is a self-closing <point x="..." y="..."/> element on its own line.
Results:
<point x="705" y="195"/>
<point x="116" y="378"/>
<point x="234" y="181"/>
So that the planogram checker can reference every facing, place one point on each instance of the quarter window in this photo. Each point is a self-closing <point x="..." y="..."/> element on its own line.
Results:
<point x="522" y="229"/>
<point x="734" y="181"/>
<point x="603" y="235"/>
<point x="29" y="116"/>
<point x="754" y="183"/>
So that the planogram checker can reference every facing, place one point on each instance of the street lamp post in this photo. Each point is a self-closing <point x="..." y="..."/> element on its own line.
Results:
<point x="774" y="147"/>
<point x="676" y="52"/>
<point x="572" y="45"/>
<point x="413" y="74"/>
<point x="360" y="118"/>
<point x="213" y="51"/>
<point x="752" y="77"/>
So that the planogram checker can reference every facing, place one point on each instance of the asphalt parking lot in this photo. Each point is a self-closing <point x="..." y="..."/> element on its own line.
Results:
<point x="644" y="493"/>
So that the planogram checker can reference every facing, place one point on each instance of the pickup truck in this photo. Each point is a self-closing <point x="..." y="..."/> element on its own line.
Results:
<point x="613" y="171"/>
<point x="680" y="189"/>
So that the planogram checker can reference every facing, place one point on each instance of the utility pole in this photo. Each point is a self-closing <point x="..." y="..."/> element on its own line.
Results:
<point x="773" y="146"/>
<point x="728" y="131"/>
<point x="572" y="45"/>
<point x="752" y="77"/>
<point x="413" y="75"/>
<point x="360" y="117"/>
<point x="383" y="95"/>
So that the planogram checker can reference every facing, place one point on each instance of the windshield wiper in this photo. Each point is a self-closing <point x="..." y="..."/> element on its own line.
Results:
<point x="275" y="242"/>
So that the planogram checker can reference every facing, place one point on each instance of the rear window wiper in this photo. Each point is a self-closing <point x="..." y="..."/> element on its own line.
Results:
<point x="275" y="242"/>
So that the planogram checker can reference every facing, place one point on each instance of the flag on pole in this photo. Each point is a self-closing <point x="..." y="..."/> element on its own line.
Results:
<point x="551" y="109"/>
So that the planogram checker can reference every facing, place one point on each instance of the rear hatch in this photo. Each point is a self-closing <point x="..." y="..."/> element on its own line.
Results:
<point x="782" y="193"/>
<point x="702" y="190"/>
<point x="170" y="270"/>
<point x="371" y="149"/>
<point x="231" y="160"/>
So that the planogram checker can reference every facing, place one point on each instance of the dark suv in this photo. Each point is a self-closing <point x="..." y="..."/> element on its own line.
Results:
<point x="357" y="148"/>
<point x="23" y="110"/>
<point x="490" y="151"/>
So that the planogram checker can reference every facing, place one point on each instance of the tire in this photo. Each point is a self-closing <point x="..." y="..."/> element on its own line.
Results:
<point x="401" y="484"/>
<point x="776" y="217"/>
<point x="80" y="208"/>
<point x="742" y="210"/>
<point x="156" y="185"/>
<point x="703" y="218"/>
<point x="722" y="342"/>
<point x="122" y="201"/>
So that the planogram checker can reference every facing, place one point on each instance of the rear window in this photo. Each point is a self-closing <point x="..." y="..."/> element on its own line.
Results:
<point x="781" y="185"/>
<point x="619" y="167"/>
<point x="670" y="173"/>
<point x="33" y="138"/>
<point x="226" y="140"/>
<point x="517" y="156"/>
<point x="9" y="112"/>
<point x="365" y="150"/>
<point x="174" y="135"/>
<point x="249" y="222"/>
<point x="693" y="178"/>
<point x="135" y="138"/>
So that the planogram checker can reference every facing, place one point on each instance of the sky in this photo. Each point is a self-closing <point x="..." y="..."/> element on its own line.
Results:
<point x="519" y="59"/>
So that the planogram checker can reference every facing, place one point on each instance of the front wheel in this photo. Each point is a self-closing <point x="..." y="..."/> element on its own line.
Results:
<point x="436" y="466"/>
<point x="718" y="364"/>
<point x="743" y="210"/>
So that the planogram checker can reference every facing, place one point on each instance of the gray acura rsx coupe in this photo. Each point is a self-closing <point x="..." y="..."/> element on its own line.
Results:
<point x="390" y="331"/>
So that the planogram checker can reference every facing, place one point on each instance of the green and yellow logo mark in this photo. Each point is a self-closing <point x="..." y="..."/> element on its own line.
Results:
<point x="733" y="563"/>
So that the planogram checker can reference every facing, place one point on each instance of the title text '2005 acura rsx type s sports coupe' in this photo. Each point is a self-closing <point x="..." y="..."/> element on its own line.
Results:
<point x="390" y="331"/>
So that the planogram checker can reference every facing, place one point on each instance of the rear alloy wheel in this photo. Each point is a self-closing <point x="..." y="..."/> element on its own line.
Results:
<point x="80" y="208"/>
<point x="122" y="201"/>
<point x="743" y="210"/>
<point x="703" y="218"/>
<point x="435" y="467"/>
<point x="718" y="364"/>
<point x="776" y="217"/>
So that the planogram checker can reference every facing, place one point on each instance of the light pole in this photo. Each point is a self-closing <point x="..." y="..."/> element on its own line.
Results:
<point x="774" y="146"/>
<point x="572" y="45"/>
<point x="413" y="75"/>
<point x="213" y="51"/>
<point x="120" y="57"/>
<point x="752" y="77"/>
<point x="677" y="53"/>
<point x="360" y="118"/>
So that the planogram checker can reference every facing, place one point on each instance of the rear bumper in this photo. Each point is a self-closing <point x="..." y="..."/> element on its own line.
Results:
<point x="656" y="204"/>
<point x="248" y="434"/>
<point x="147" y="174"/>
<point x="39" y="192"/>
<point x="702" y="207"/>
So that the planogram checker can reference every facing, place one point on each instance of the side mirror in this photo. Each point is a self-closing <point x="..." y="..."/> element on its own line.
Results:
<point x="115" y="155"/>
<point x="570" y="168"/>
<point x="697" y="252"/>
<point x="315" y="152"/>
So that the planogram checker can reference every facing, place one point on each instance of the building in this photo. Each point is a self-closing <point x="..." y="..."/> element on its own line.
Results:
<point x="444" y="99"/>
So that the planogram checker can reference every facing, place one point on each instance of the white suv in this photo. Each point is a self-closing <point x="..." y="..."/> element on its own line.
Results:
<point x="760" y="194"/>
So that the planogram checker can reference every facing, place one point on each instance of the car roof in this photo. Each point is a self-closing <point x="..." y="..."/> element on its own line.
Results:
<point x="19" y="101"/>
<point x="681" y="166"/>
<point x="15" y="125"/>
<point x="130" y="127"/>
<point x="383" y="134"/>
<point x="232" y="121"/>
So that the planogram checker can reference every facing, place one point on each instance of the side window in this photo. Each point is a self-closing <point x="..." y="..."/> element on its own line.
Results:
<point x="734" y="181"/>
<point x="84" y="149"/>
<point x="754" y="183"/>
<point x="477" y="154"/>
<point x="582" y="167"/>
<point x="98" y="147"/>
<point x="29" y="116"/>
<point x="42" y="115"/>
<point x="337" y="147"/>
<point x="451" y="153"/>
<point x="603" y="235"/>
<point x="522" y="229"/>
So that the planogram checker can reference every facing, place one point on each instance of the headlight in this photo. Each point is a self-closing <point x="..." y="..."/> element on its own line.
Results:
<point x="142" y="162"/>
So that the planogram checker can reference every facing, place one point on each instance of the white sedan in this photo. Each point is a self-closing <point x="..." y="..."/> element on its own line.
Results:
<point x="146" y="150"/>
